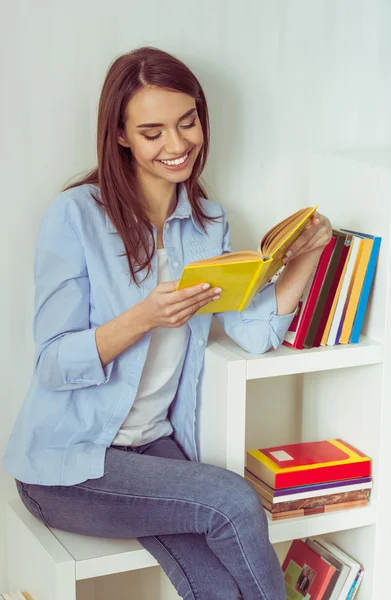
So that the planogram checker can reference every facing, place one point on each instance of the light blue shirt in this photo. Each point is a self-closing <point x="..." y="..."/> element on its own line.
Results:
<point x="74" y="407"/>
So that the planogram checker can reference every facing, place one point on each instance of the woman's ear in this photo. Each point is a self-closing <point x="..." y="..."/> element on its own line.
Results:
<point x="122" y="140"/>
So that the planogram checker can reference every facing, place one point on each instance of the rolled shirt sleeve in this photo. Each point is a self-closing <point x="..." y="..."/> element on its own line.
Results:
<point x="66" y="353"/>
<point x="257" y="328"/>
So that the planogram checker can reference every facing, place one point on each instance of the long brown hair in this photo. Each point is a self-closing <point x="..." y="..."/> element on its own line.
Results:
<point x="114" y="174"/>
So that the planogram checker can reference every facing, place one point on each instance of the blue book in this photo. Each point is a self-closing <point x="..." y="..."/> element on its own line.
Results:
<point x="366" y="288"/>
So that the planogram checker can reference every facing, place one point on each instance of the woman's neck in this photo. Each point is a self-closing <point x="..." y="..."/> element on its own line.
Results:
<point x="161" y="200"/>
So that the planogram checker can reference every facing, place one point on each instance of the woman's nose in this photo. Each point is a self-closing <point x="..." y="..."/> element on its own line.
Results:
<point x="176" y="144"/>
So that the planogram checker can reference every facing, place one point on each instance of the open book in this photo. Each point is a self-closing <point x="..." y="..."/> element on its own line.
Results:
<point x="242" y="274"/>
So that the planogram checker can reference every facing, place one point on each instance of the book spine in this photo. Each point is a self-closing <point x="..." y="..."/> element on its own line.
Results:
<point x="352" y="259"/>
<point x="366" y="288"/>
<point x="355" y="585"/>
<point x="355" y="293"/>
<point x="322" y="474"/>
<point x="254" y="286"/>
<point x="325" y="289"/>
<point x="331" y="295"/>
<point x="313" y="295"/>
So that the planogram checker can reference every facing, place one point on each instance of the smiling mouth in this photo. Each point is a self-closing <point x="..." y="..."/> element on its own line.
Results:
<point x="177" y="161"/>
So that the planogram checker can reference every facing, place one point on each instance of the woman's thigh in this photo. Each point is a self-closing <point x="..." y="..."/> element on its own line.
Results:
<point x="139" y="495"/>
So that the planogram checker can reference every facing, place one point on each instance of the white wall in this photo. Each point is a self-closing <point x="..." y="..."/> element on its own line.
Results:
<point x="283" y="78"/>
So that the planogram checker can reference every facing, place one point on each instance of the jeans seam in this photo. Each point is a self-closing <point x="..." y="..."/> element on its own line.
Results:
<point x="186" y="502"/>
<point x="174" y="558"/>
<point x="25" y="493"/>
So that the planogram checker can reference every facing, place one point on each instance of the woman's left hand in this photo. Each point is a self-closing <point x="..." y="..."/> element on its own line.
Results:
<point x="313" y="239"/>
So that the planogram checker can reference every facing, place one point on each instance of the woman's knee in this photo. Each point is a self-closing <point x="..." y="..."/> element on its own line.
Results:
<point x="233" y="493"/>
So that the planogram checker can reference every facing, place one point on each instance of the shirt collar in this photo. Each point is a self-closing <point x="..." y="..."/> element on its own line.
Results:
<point x="183" y="210"/>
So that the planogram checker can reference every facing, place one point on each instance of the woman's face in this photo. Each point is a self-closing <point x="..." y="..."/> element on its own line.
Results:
<point x="162" y="125"/>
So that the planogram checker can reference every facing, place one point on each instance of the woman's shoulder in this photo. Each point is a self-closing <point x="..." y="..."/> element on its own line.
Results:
<point x="212" y="208"/>
<point x="75" y="205"/>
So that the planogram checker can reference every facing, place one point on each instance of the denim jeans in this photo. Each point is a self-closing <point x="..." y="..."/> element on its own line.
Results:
<point x="204" y="525"/>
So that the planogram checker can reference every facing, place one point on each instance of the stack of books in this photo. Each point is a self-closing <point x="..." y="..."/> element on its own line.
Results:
<point x="309" y="478"/>
<point x="319" y="570"/>
<point x="332" y="307"/>
<point x="18" y="595"/>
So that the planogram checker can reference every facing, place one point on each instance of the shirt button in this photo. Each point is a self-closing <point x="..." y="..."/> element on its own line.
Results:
<point x="176" y="265"/>
<point x="201" y="342"/>
<point x="167" y="225"/>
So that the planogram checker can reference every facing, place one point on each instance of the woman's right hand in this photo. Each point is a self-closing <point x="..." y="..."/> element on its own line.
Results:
<point x="166" y="306"/>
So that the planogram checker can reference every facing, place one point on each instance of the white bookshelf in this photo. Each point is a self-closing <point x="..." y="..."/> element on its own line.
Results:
<point x="287" y="396"/>
<point x="249" y="401"/>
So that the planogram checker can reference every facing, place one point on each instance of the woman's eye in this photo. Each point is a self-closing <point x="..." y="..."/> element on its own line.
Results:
<point x="155" y="137"/>
<point x="192" y="124"/>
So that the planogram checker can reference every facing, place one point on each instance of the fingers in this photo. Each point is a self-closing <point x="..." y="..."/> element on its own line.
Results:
<point x="194" y="302"/>
<point x="180" y="317"/>
<point x="303" y="240"/>
<point x="316" y="235"/>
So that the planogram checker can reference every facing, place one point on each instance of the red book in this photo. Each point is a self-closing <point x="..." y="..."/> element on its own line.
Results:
<point x="307" y="463"/>
<point x="306" y="573"/>
<point x="308" y="306"/>
<point x="330" y="297"/>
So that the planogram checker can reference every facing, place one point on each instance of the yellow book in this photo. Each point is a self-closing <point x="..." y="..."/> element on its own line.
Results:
<point x="354" y="296"/>
<point x="242" y="274"/>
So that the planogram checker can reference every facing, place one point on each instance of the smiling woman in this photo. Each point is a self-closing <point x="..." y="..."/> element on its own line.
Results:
<point x="105" y="444"/>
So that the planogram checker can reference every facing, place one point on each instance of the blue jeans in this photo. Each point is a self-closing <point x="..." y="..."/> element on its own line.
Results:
<point x="205" y="525"/>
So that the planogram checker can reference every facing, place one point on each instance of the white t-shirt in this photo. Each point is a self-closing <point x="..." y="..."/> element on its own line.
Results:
<point x="147" y="419"/>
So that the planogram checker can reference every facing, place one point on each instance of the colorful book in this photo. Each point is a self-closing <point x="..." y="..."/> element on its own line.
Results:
<point x="307" y="304"/>
<point x="307" y="491"/>
<point x="314" y="502"/>
<point x="366" y="287"/>
<point x="352" y="259"/>
<point x="354" y="566"/>
<point x="354" y="589"/>
<point x="307" y="463"/>
<point x="317" y="502"/>
<point x="350" y="307"/>
<point x="341" y="573"/>
<point x="324" y="291"/>
<point x="316" y="510"/>
<point x="242" y="274"/>
<point x="306" y="574"/>
<point x="332" y="297"/>
<point x="337" y="293"/>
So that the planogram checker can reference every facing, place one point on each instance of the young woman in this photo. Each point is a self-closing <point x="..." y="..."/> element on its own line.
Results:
<point x="105" y="442"/>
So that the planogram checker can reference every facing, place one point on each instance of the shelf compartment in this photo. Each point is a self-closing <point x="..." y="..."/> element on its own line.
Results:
<point x="301" y="527"/>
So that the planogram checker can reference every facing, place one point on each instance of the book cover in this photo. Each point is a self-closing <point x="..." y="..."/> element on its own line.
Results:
<point x="241" y="275"/>
<point x="306" y="574"/>
<point x="352" y="259"/>
<point x="296" y="339"/>
<point x="366" y="287"/>
<point x="334" y="290"/>
<point x="317" y="510"/>
<point x="307" y="462"/>
<point x="350" y="308"/>
<point x="354" y="566"/>
<point x="315" y="502"/>
<point x="307" y="491"/>
<point x="324" y="291"/>
<point x="341" y="570"/>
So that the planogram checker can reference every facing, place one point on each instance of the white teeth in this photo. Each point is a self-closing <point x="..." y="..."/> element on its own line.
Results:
<point x="172" y="163"/>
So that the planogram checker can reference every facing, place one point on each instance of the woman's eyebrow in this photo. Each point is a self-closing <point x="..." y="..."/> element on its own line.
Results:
<point x="187" y="114"/>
